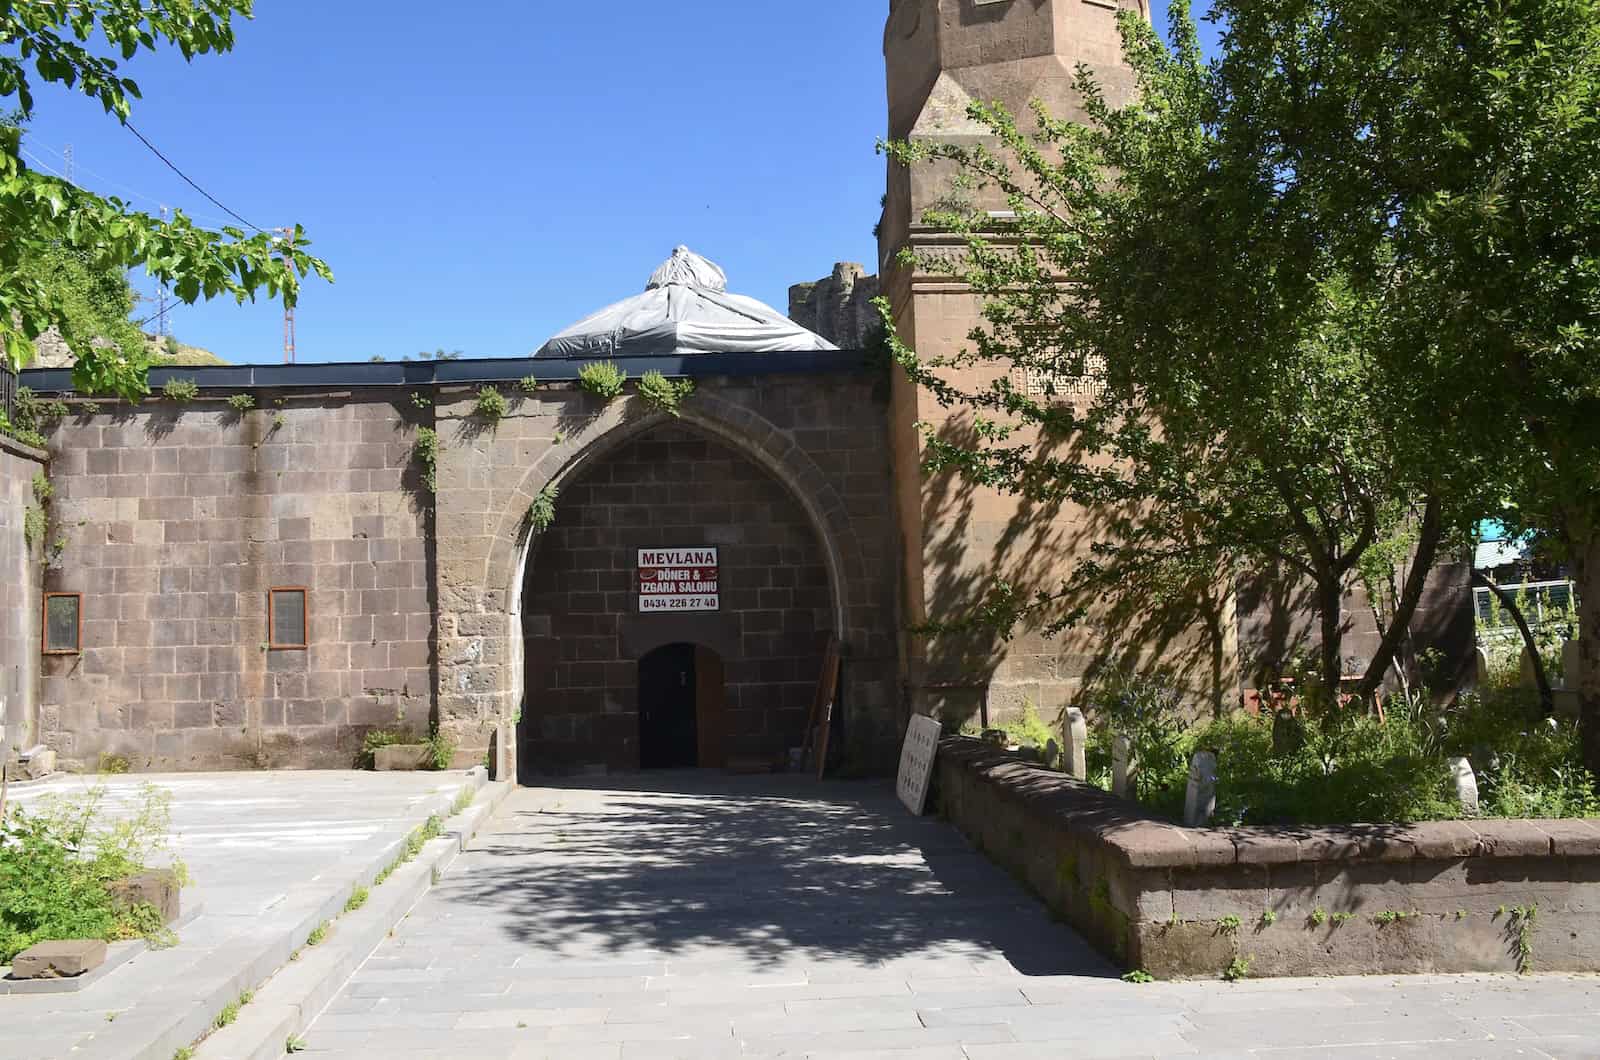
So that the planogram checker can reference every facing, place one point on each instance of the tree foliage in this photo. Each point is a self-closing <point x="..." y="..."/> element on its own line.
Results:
<point x="1243" y="416"/>
<point x="43" y="218"/>
<point x="1344" y="282"/>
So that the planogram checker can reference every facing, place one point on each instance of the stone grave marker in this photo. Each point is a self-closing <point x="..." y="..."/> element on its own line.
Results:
<point x="916" y="762"/>
<point x="1122" y="767"/>
<point x="1075" y="758"/>
<point x="1200" y="802"/>
<point x="1466" y="785"/>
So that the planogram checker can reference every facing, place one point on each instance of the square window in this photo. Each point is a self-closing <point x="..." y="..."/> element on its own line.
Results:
<point x="286" y="619"/>
<point x="63" y="623"/>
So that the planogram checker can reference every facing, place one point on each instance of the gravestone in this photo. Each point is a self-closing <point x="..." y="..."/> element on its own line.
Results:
<point x="916" y="762"/>
<point x="1200" y="803"/>
<point x="1122" y="767"/>
<point x="1076" y="730"/>
<point x="1481" y="659"/>
<point x="1527" y="674"/>
<point x="1466" y="782"/>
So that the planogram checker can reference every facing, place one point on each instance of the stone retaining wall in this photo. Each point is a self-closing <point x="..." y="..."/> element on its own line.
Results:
<point x="1440" y="897"/>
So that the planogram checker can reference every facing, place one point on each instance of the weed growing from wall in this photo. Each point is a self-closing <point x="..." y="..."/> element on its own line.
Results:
<point x="181" y="391"/>
<point x="426" y="453"/>
<point x="491" y="405"/>
<point x="663" y="394"/>
<point x="603" y="379"/>
<point x="241" y="403"/>
<point x="542" y="512"/>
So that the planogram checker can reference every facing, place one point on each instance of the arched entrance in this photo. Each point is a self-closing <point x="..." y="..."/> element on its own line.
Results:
<point x="613" y="684"/>
<point x="682" y="708"/>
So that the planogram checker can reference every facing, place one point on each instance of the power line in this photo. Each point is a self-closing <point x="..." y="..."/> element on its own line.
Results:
<point x="134" y="193"/>
<point x="214" y="200"/>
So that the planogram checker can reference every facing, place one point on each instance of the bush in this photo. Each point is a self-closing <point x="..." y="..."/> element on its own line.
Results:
<point x="491" y="404"/>
<point x="181" y="390"/>
<point x="1029" y="730"/>
<point x="242" y="403"/>
<point x="1343" y="766"/>
<point x="663" y="394"/>
<point x="1150" y="714"/>
<point x="603" y="379"/>
<point x="442" y="746"/>
<point x="375" y="739"/>
<point x="55" y="863"/>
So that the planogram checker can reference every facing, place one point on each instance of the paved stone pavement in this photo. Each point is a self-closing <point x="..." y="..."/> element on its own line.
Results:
<point x="699" y="916"/>
<point x="263" y="849"/>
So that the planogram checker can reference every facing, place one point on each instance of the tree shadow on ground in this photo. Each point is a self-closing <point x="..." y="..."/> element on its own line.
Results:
<point x="767" y="870"/>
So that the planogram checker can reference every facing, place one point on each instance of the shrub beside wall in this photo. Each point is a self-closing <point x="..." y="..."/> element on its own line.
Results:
<point x="1442" y="896"/>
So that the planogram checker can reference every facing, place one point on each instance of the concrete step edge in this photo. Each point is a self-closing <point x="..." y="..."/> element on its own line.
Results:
<point x="179" y="1031"/>
<point x="288" y="1003"/>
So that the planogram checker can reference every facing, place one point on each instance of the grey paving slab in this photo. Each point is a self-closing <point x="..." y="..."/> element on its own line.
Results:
<point x="263" y="849"/>
<point x="692" y="915"/>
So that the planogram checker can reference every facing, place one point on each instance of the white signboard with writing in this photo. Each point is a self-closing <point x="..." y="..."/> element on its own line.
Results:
<point x="916" y="762"/>
<point x="678" y="579"/>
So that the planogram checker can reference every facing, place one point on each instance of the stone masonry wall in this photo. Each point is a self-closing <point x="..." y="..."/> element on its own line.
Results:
<point x="670" y="487"/>
<point x="1438" y="897"/>
<point x="177" y="519"/>
<point x="823" y="436"/>
<point x="20" y="603"/>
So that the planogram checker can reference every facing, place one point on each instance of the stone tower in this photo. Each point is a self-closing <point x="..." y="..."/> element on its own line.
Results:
<point x="941" y="55"/>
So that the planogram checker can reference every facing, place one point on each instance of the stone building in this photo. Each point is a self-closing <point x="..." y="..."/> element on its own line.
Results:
<point x="271" y="569"/>
<point x="259" y="576"/>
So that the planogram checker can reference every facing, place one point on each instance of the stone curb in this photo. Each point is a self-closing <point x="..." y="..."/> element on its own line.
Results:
<point x="227" y="975"/>
<point x="1142" y="840"/>
<point x="296" y="995"/>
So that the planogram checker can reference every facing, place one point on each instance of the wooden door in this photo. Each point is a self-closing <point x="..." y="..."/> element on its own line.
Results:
<point x="711" y="708"/>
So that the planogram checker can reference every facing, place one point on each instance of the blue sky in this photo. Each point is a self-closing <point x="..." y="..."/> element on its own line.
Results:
<point x="480" y="185"/>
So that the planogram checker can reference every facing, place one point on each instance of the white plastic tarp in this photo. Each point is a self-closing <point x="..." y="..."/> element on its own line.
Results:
<point x="686" y="308"/>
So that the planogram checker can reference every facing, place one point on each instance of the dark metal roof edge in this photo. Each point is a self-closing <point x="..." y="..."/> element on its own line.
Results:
<point x="465" y="372"/>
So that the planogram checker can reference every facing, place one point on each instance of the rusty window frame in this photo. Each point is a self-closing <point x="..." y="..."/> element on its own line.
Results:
<point x="305" y="618"/>
<point x="44" y="626"/>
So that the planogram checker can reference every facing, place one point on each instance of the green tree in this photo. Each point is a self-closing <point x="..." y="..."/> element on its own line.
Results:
<point x="40" y="216"/>
<point x="1245" y="415"/>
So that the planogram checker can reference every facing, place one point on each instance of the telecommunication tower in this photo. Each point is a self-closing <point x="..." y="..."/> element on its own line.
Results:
<point x="288" y="310"/>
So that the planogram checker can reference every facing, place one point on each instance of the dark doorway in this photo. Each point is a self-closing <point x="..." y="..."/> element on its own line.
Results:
<point x="668" y="734"/>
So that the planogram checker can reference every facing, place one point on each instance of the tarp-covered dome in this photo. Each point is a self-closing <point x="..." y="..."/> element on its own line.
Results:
<point x="686" y="308"/>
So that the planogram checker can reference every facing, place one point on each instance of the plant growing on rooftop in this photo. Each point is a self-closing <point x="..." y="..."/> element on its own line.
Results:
<point x="603" y="379"/>
<point x="663" y="394"/>
<point x="181" y="391"/>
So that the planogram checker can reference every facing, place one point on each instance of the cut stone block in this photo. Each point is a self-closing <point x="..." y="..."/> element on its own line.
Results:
<point x="157" y="888"/>
<point x="403" y="757"/>
<point x="59" y="960"/>
<point x="38" y="763"/>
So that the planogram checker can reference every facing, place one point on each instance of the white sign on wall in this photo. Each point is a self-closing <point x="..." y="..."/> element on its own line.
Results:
<point x="916" y="762"/>
<point x="678" y="579"/>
